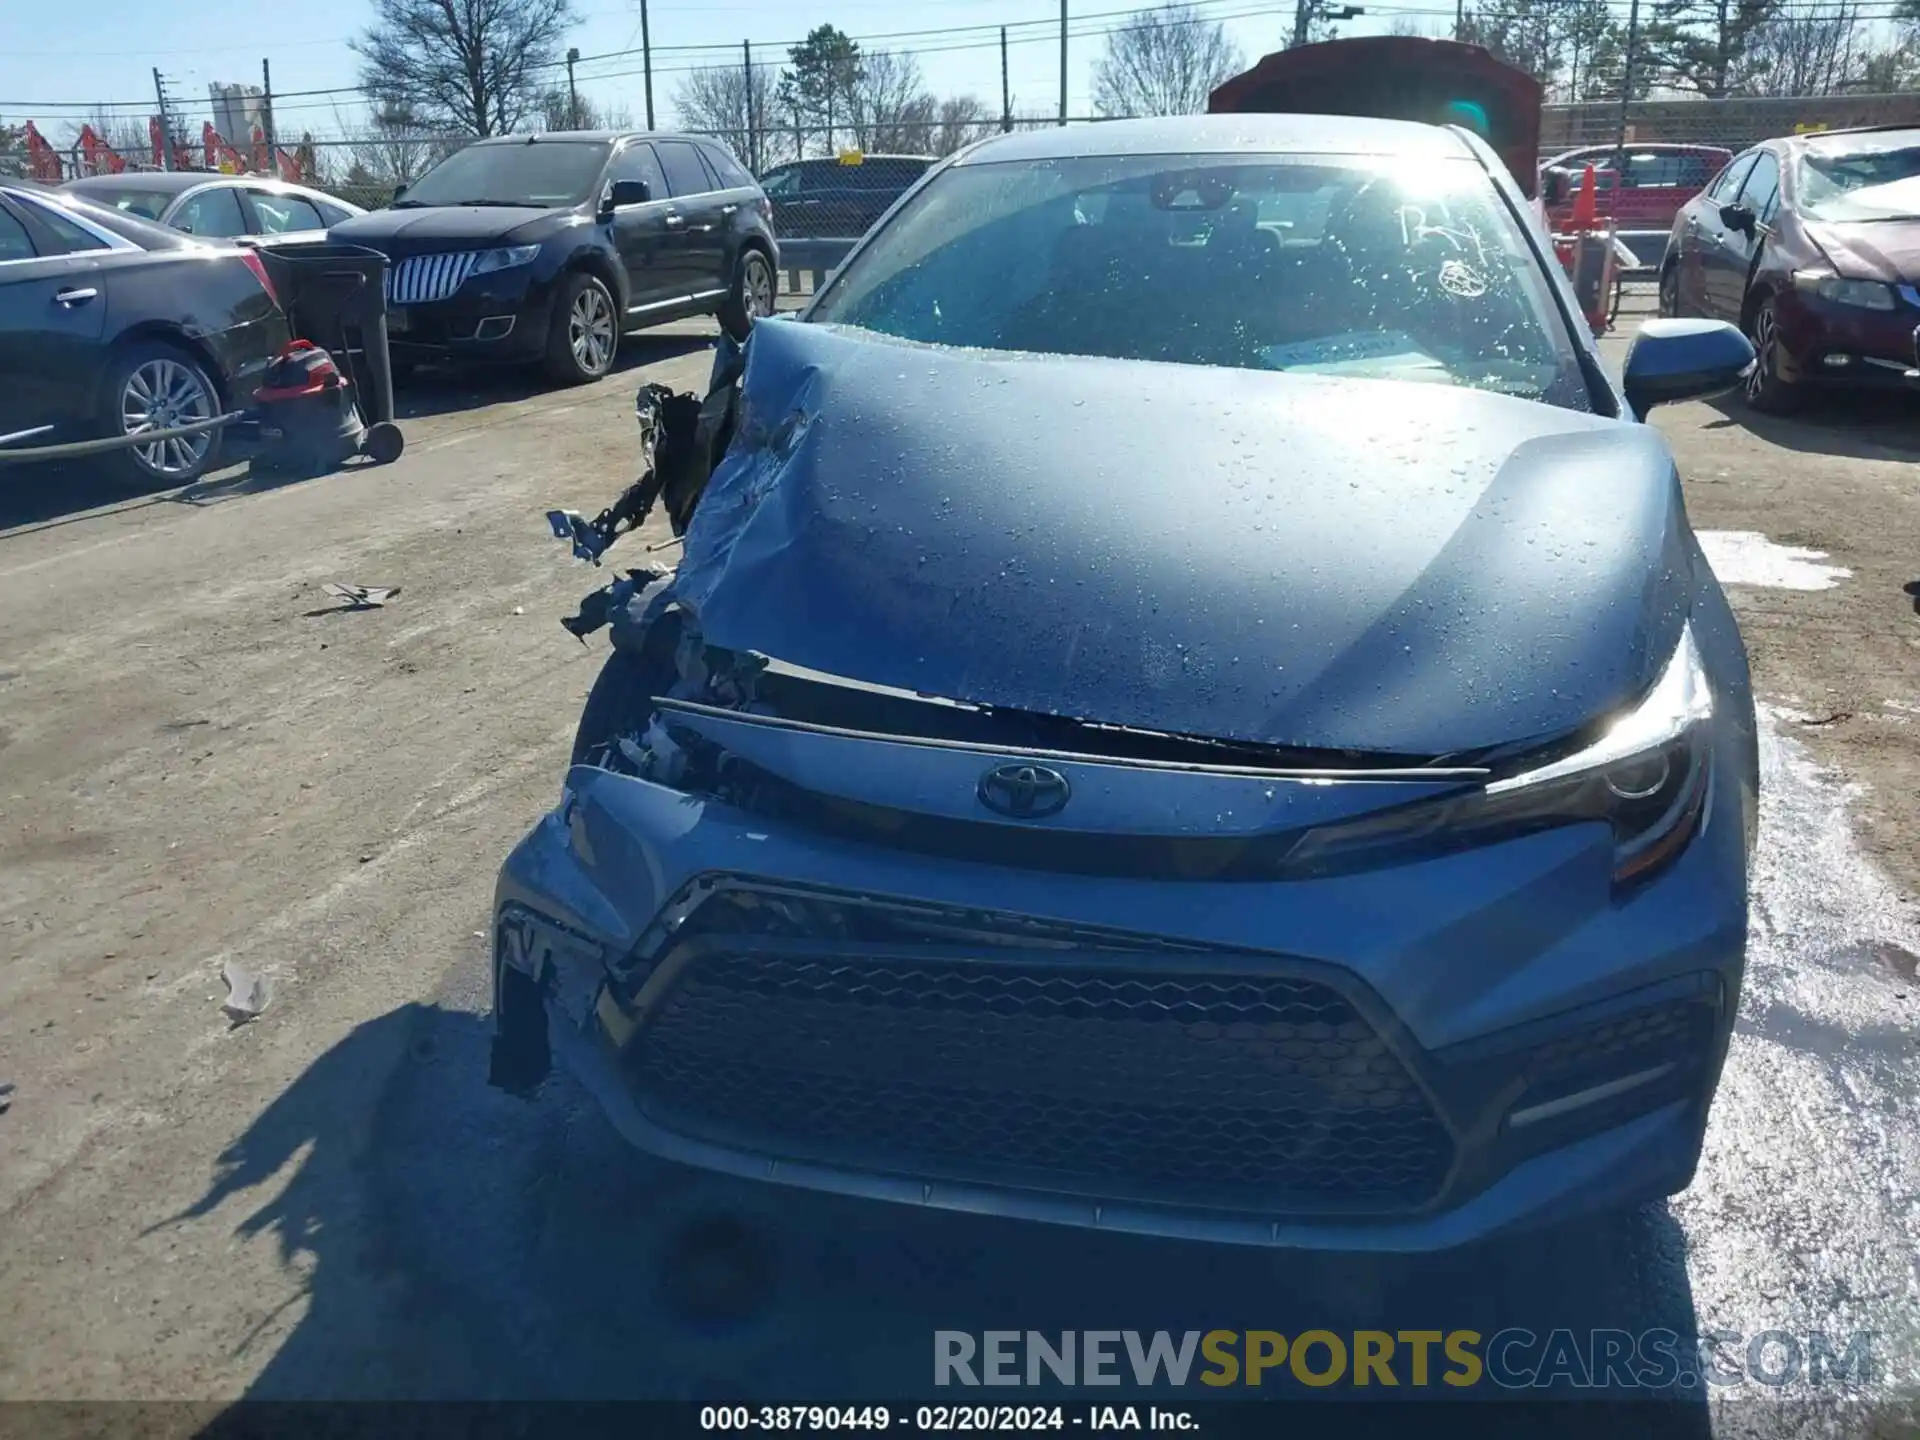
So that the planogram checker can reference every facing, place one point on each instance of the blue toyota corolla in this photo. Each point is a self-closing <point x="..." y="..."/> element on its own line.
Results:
<point x="1190" y="705"/>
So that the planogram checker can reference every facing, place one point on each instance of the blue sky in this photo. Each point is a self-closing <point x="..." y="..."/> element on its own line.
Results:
<point x="47" y="62"/>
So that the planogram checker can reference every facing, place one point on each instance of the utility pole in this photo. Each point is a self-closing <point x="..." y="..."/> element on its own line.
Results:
<point x="1063" y="61"/>
<point x="1626" y="79"/>
<point x="573" y="95"/>
<point x="1006" y="95"/>
<point x="1305" y="12"/>
<point x="646" y="60"/>
<point x="1459" y="17"/>
<point x="166" y="121"/>
<point x="753" y="121"/>
<point x="266" y="114"/>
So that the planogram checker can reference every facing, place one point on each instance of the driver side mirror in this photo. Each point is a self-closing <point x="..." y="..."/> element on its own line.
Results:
<point x="626" y="192"/>
<point x="1683" y="360"/>
<point x="1738" y="217"/>
<point x="398" y="191"/>
<point x="1554" y="186"/>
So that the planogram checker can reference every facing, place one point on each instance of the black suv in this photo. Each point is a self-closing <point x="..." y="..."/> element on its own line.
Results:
<point x="550" y="247"/>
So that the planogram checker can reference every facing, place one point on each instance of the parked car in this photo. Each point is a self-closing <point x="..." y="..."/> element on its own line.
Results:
<point x="1642" y="187"/>
<point x="235" y="207"/>
<point x="839" y="199"/>
<point x="1212" y="730"/>
<point x="550" y="247"/>
<point x="111" y="325"/>
<point x="1811" y="244"/>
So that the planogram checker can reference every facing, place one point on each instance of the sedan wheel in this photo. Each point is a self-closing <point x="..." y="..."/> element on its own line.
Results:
<point x="1765" y="390"/>
<point x="1670" y="291"/>
<point x="163" y="393"/>
<point x="752" y="295"/>
<point x="590" y="330"/>
<point x="757" y="287"/>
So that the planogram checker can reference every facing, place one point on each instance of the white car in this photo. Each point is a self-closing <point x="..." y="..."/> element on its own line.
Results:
<point x="235" y="207"/>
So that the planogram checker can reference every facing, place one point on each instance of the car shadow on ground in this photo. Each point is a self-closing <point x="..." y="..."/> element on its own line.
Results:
<point x="35" y="497"/>
<point x="448" y="389"/>
<point x="1863" y="425"/>
<point x="461" y="1244"/>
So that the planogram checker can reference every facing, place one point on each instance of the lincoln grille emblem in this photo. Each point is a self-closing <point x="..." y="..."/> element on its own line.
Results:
<point x="1025" y="792"/>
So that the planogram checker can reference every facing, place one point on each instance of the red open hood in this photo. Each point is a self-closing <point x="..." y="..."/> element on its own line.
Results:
<point x="1398" y="77"/>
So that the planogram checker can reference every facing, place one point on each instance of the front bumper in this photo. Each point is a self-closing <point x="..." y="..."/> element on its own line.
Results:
<point x="1402" y="1061"/>
<point x="1850" y="345"/>
<point x="498" y="317"/>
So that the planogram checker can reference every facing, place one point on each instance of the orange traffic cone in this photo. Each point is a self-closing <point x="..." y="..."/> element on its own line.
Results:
<point x="1586" y="210"/>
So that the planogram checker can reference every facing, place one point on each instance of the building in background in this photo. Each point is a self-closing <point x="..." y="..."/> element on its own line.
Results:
<point x="238" y="110"/>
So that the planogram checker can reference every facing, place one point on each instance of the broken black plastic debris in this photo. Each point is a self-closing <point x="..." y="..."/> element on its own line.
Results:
<point x="362" y="597"/>
<point x="596" y="610"/>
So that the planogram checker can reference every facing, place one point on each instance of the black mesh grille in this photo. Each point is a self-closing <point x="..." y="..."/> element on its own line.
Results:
<point x="1682" y="1030"/>
<point x="1262" y="1092"/>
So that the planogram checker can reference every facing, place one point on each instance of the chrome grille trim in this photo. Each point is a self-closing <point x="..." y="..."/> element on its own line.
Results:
<point x="421" y="279"/>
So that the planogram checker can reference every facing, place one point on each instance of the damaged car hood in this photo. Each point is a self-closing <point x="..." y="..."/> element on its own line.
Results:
<point x="1413" y="569"/>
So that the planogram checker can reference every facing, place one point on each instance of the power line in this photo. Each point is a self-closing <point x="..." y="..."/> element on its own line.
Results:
<point x="1048" y="26"/>
<point x="1027" y="32"/>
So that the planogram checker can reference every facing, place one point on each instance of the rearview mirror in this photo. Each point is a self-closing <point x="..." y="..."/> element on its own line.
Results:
<point x="1683" y="360"/>
<point x="628" y="192"/>
<point x="1737" y="217"/>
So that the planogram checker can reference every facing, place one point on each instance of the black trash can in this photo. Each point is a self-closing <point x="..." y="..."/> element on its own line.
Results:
<point x="335" y="296"/>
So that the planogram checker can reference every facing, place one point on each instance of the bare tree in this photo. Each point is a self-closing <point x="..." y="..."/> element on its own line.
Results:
<point x="390" y="146"/>
<point x="718" y="101"/>
<point x="1163" y="62"/>
<point x="1524" y="33"/>
<point x="13" y="151"/>
<point x="476" y="66"/>
<point x="959" y="121"/>
<point x="888" y="107"/>
<point x="1889" y="67"/>
<point x="1807" y="54"/>
<point x="1707" y="46"/>
<point x="561" y="109"/>
<point x="125" y="135"/>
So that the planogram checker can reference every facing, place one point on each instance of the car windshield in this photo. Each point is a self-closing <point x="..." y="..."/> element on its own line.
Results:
<point x="1321" y="264"/>
<point x="1868" y="185"/>
<point x="131" y="200"/>
<point x="542" y="174"/>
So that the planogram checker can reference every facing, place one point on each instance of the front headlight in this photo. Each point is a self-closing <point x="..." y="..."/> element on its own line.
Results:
<point x="504" y="259"/>
<point x="1869" y="294"/>
<point x="1646" y="777"/>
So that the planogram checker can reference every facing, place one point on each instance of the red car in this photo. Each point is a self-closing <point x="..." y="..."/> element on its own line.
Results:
<point x="1642" y="187"/>
<point x="1811" y="244"/>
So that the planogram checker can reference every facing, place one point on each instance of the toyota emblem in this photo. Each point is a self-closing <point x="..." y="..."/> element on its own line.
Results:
<point x="1024" y="792"/>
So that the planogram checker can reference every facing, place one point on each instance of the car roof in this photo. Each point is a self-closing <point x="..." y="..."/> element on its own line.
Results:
<point x="865" y="155"/>
<point x="144" y="233"/>
<point x="165" y="182"/>
<point x="604" y="137"/>
<point x="177" y="182"/>
<point x="1818" y="139"/>
<point x="1645" y="147"/>
<point x="1225" y="135"/>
